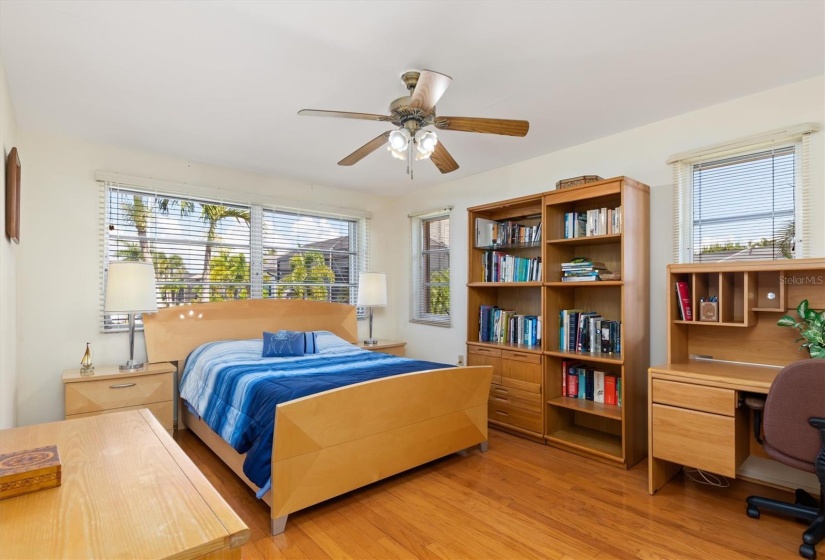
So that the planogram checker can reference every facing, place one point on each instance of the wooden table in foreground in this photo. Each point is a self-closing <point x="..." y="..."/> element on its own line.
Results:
<point x="128" y="491"/>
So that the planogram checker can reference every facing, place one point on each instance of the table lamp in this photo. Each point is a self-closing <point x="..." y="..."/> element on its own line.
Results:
<point x="372" y="292"/>
<point x="130" y="288"/>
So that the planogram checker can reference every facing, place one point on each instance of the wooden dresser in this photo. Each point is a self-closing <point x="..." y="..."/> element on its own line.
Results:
<point x="108" y="389"/>
<point x="128" y="491"/>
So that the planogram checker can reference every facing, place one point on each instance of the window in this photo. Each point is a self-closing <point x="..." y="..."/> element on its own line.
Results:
<point x="746" y="203"/>
<point x="206" y="250"/>
<point x="431" y="269"/>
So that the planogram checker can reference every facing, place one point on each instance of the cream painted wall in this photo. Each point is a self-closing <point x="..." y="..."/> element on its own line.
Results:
<point x="8" y="265"/>
<point x="639" y="153"/>
<point x="59" y="264"/>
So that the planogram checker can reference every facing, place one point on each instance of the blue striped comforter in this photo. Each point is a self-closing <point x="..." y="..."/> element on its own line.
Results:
<point x="235" y="390"/>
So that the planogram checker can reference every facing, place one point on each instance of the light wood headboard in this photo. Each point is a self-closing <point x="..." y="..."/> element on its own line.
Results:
<point x="172" y="333"/>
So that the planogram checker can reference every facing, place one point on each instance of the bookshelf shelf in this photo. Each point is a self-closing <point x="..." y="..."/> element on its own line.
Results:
<point x="503" y="284"/>
<point x="711" y="323"/>
<point x="588" y="240"/>
<point x="586" y="356"/>
<point x="508" y="346"/>
<point x="594" y="284"/>
<point x="598" y="409"/>
<point x="510" y="246"/>
<point x="769" y="310"/>
<point x="588" y="440"/>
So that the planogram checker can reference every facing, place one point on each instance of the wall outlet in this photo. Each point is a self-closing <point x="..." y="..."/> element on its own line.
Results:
<point x="460" y="361"/>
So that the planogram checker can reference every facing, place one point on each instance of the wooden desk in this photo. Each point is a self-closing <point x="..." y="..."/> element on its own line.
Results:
<point x="696" y="420"/>
<point x="128" y="491"/>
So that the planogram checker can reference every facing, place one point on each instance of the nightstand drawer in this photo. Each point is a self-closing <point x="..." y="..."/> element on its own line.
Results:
<point x="163" y="411"/>
<point x="120" y="392"/>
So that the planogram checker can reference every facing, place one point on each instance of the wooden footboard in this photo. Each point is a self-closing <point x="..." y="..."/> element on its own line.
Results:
<point x="333" y="442"/>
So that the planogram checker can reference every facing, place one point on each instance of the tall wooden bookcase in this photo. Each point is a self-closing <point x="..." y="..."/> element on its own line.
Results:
<point x="526" y="395"/>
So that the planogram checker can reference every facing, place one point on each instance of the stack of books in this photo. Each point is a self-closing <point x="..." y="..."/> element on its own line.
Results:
<point x="582" y="269"/>
<point x="504" y="326"/>
<point x="598" y="221"/>
<point x="582" y="382"/>
<point x="587" y="331"/>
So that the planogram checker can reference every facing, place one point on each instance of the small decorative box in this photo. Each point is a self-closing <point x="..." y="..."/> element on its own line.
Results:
<point x="29" y="470"/>
<point x="576" y="181"/>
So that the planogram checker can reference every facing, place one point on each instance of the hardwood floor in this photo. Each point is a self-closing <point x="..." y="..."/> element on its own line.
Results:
<point x="518" y="500"/>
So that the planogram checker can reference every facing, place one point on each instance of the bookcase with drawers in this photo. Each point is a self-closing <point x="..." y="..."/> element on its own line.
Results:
<point x="516" y="394"/>
<point x="526" y="395"/>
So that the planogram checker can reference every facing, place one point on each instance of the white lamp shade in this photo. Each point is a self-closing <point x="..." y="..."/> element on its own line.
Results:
<point x="130" y="288"/>
<point x="372" y="289"/>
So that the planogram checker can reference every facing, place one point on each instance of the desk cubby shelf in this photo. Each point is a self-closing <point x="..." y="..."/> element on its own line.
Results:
<point x="615" y="435"/>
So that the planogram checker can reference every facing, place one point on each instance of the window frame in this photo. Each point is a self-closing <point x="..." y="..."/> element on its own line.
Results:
<point x="358" y="227"/>
<point x="420" y="264"/>
<point x="683" y="181"/>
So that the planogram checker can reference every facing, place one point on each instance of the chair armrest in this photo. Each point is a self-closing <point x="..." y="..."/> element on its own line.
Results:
<point x="819" y="465"/>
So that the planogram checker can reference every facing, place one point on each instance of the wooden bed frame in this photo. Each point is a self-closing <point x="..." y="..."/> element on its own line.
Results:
<point x="333" y="442"/>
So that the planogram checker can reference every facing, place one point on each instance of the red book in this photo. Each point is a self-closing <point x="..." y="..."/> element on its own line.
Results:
<point x="572" y="384"/>
<point x="564" y="378"/>
<point x="683" y="295"/>
<point x="609" y="389"/>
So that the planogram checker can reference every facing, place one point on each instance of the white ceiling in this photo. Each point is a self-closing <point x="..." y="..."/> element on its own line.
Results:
<point x="221" y="82"/>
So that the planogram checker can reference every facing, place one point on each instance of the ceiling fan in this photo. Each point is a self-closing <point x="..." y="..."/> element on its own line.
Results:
<point x="412" y="114"/>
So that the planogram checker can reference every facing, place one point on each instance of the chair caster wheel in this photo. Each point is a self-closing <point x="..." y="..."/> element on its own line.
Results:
<point x="753" y="513"/>
<point x="807" y="551"/>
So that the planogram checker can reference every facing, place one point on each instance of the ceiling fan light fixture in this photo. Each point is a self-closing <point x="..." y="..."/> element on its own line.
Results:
<point x="425" y="141"/>
<point x="396" y="154"/>
<point x="399" y="139"/>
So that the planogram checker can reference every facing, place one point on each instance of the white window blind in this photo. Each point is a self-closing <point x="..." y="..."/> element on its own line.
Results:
<point x="743" y="200"/>
<point x="310" y="257"/>
<point x="743" y="207"/>
<point x="205" y="250"/>
<point x="431" y="269"/>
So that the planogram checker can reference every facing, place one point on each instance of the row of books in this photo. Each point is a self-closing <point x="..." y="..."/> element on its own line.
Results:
<point x="582" y="269"/>
<point x="501" y="267"/>
<point x="587" y="331"/>
<point x="490" y="232"/>
<point x="503" y="325"/>
<point x="582" y="382"/>
<point x="598" y="221"/>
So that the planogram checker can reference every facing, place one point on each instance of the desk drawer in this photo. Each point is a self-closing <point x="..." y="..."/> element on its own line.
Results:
<point x="695" y="397"/>
<point x="515" y="416"/>
<point x="120" y="392"/>
<point x="515" y="397"/>
<point x="696" y="439"/>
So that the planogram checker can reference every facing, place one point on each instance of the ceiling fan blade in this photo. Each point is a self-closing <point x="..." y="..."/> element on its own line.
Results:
<point x="506" y="127"/>
<point x="365" y="150"/>
<point x="429" y="89"/>
<point x="343" y="115"/>
<point x="442" y="159"/>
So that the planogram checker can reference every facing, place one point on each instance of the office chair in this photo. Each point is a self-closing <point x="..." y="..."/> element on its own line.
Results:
<point x="794" y="434"/>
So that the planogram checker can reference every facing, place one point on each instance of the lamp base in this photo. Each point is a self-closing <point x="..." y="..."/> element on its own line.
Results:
<point x="131" y="366"/>
<point x="370" y="342"/>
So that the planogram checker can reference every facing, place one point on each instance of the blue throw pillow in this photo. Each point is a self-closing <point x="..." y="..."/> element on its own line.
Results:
<point x="288" y="343"/>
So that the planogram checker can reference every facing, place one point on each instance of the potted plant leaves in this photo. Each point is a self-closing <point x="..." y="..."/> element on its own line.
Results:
<point x="811" y="327"/>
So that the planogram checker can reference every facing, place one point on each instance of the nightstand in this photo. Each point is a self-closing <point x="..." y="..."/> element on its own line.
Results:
<point x="386" y="346"/>
<point x="108" y="389"/>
